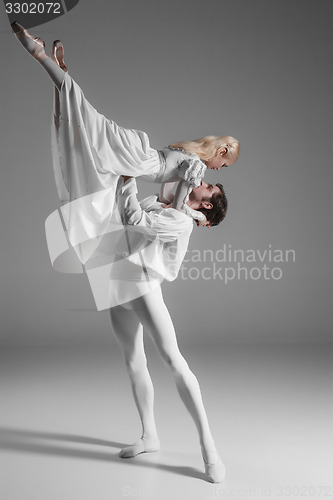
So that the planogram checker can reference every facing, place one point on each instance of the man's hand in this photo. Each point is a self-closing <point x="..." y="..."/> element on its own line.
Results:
<point x="203" y="222"/>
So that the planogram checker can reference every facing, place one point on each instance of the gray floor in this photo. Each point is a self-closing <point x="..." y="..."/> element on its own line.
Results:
<point x="67" y="411"/>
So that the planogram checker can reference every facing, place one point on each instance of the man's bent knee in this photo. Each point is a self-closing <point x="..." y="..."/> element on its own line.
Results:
<point x="136" y="365"/>
<point x="176" y="363"/>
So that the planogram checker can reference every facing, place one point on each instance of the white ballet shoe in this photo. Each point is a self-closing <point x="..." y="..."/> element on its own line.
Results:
<point x="141" y="446"/>
<point x="57" y="54"/>
<point x="215" y="472"/>
<point x="34" y="45"/>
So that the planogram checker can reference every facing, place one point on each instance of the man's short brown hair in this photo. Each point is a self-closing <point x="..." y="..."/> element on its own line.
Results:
<point x="217" y="213"/>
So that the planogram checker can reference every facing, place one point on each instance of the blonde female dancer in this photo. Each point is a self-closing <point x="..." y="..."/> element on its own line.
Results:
<point x="148" y="309"/>
<point x="128" y="152"/>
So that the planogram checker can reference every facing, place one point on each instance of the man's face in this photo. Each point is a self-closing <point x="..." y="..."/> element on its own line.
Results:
<point x="203" y="192"/>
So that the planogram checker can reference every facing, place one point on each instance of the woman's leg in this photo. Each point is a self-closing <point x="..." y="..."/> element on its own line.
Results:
<point x="35" y="47"/>
<point x="129" y="334"/>
<point x="154" y="315"/>
<point x="54" y="71"/>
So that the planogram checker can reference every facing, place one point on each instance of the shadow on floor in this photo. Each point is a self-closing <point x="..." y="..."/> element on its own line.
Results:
<point x="26" y="441"/>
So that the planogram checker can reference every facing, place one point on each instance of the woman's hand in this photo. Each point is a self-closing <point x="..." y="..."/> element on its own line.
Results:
<point x="203" y="222"/>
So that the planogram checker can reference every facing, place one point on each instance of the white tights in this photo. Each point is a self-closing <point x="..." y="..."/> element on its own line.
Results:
<point x="150" y="312"/>
<point x="38" y="53"/>
<point x="54" y="71"/>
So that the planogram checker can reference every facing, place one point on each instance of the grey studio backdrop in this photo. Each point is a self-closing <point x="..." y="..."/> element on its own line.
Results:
<point x="259" y="70"/>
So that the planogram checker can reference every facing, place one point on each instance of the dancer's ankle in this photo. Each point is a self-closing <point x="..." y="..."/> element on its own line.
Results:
<point x="41" y="56"/>
<point x="150" y="436"/>
<point x="209" y="452"/>
<point x="34" y="45"/>
<point x="141" y="446"/>
<point x="207" y="444"/>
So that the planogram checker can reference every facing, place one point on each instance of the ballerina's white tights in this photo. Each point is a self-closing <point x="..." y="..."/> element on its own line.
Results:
<point x="151" y="312"/>
<point x="38" y="53"/>
<point x="55" y="72"/>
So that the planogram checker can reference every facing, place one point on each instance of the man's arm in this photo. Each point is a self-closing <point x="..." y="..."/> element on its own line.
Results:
<point x="167" y="224"/>
<point x="131" y="208"/>
<point x="179" y="202"/>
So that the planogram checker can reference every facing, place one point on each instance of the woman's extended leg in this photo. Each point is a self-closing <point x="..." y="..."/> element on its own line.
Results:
<point x="128" y="332"/>
<point x="35" y="47"/>
<point x="154" y="316"/>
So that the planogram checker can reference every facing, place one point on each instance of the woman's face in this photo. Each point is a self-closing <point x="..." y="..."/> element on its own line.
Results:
<point x="218" y="161"/>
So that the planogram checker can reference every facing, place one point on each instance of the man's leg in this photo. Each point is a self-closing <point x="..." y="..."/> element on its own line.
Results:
<point x="154" y="316"/>
<point x="129" y="334"/>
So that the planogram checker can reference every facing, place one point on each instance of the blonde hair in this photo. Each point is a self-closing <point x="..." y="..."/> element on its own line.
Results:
<point x="209" y="146"/>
